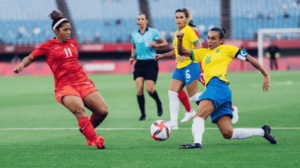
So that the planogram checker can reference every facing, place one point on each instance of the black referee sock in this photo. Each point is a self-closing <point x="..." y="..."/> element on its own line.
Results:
<point x="156" y="98"/>
<point x="141" y="101"/>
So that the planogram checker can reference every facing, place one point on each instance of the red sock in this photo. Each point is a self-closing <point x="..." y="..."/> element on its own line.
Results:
<point x="232" y="108"/>
<point x="184" y="100"/>
<point x="87" y="129"/>
<point x="96" y="120"/>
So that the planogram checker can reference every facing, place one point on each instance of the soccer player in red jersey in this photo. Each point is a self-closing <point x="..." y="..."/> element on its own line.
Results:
<point x="73" y="89"/>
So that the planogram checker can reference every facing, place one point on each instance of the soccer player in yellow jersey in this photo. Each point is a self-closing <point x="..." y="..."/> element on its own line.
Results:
<point x="187" y="71"/>
<point x="216" y="99"/>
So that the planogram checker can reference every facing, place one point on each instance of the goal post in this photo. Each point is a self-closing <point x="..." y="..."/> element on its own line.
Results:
<point x="260" y="39"/>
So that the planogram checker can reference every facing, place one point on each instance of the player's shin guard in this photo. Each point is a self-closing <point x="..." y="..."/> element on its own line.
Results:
<point x="195" y="98"/>
<point x="184" y="100"/>
<point x="97" y="120"/>
<point x="241" y="133"/>
<point x="174" y="107"/>
<point x="87" y="129"/>
<point x="198" y="128"/>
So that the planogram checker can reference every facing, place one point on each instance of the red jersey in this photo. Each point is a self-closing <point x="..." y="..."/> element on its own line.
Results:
<point x="62" y="58"/>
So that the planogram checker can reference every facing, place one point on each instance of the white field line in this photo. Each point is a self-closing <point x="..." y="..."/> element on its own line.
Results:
<point x="119" y="129"/>
<point x="282" y="83"/>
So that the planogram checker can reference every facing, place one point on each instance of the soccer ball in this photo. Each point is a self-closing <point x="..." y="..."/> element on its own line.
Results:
<point x="160" y="130"/>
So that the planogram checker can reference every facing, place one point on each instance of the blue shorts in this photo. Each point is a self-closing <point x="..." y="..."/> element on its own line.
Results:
<point x="219" y="92"/>
<point x="187" y="74"/>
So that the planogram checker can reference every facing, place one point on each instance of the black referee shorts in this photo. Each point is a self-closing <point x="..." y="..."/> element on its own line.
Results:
<point x="147" y="69"/>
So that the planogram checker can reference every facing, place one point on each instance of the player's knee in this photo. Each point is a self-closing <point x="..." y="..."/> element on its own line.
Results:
<point x="172" y="94"/>
<point x="195" y="97"/>
<point x="150" y="90"/>
<point x="104" y="111"/>
<point x="80" y="111"/>
<point x="227" y="134"/>
<point x="140" y="91"/>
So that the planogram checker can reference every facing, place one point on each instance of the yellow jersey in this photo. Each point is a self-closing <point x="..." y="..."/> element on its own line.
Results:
<point x="215" y="62"/>
<point x="188" y="41"/>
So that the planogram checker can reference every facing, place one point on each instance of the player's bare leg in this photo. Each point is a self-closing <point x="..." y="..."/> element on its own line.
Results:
<point x="175" y="87"/>
<point x="204" y="109"/>
<point x="140" y="96"/>
<point x="76" y="106"/>
<point x="225" y="127"/>
<point x="224" y="124"/>
<point x="97" y="105"/>
<point x="150" y="89"/>
<point x="192" y="89"/>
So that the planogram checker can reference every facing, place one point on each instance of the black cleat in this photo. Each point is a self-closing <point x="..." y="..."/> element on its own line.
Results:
<point x="268" y="136"/>
<point x="142" y="118"/>
<point x="190" y="146"/>
<point x="159" y="110"/>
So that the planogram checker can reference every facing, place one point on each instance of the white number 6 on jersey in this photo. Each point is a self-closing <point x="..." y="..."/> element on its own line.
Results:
<point x="188" y="76"/>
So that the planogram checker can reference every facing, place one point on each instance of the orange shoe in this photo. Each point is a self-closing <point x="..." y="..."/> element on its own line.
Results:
<point x="90" y="143"/>
<point x="100" y="142"/>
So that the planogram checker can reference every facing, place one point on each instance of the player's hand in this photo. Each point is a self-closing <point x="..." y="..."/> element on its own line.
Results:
<point x="153" y="44"/>
<point x="266" y="83"/>
<point x="158" y="56"/>
<point x="131" y="59"/>
<point x="180" y="58"/>
<point x="180" y="35"/>
<point x="18" y="69"/>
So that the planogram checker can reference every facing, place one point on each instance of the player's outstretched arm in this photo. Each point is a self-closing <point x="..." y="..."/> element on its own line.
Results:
<point x="259" y="67"/>
<point x="25" y="62"/>
<point x="165" y="55"/>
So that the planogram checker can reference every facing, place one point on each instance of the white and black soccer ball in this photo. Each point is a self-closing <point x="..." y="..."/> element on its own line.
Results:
<point x="160" y="130"/>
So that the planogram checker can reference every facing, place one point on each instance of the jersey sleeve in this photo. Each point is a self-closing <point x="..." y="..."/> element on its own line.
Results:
<point x="192" y="36"/>
<point x="41" y="50"/>
<point x="198" y="54"/>
<point x="235" y="52"/>
<point x="156" y="35"/>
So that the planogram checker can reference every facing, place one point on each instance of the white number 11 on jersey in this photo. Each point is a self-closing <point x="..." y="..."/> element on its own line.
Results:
<point x="66" y="51"/>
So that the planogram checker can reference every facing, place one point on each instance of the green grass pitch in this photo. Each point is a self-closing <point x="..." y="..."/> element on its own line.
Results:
<point x="29" y="102"/>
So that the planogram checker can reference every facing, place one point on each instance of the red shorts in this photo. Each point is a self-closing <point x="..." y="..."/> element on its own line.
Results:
<point x="81" y="89"/>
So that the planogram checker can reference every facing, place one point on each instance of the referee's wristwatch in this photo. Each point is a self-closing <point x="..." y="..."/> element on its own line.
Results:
<point x="132" y="57"/>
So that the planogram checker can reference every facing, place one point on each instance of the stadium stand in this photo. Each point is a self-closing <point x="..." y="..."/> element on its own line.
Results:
<point x="250" y="15"/>
<point x="104" y="20"/>
<point x="23" y="23"/>
<point x="206" y="14"/>
<point x="111" y="21"/>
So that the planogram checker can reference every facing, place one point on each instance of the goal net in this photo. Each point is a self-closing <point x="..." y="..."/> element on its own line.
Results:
<point x="265" y="36"/>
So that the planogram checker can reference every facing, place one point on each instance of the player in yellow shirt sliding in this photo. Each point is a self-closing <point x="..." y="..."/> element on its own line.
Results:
<point x="216" y="99"/>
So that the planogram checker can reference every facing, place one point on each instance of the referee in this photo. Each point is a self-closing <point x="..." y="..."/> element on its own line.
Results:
<point x="146" y="68"/>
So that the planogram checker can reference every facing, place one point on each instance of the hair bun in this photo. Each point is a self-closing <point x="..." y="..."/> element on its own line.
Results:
<point x="224" y="30"/>
<point x="55" y="14"/>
